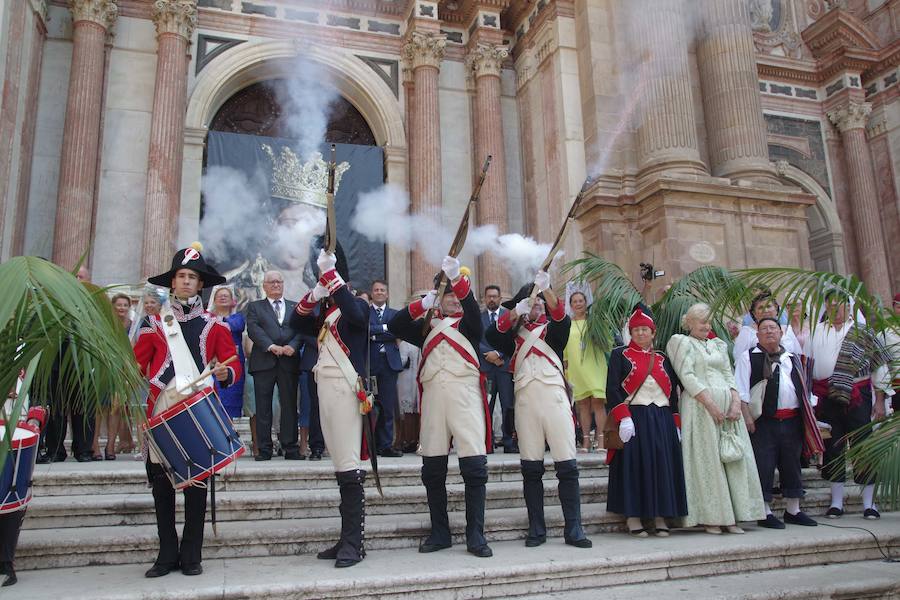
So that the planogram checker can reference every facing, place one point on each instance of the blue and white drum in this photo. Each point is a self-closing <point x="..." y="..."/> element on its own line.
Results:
<point x="194" y="438"/>
<point x="15" y="480"/>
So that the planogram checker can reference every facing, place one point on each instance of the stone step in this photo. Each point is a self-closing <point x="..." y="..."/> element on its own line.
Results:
<point x="128" y="477"/>
<point x="685" y="559"/>
<point x="137" y="508"/>
<point x="52" y="547"/>
<point x="869" y="580"/>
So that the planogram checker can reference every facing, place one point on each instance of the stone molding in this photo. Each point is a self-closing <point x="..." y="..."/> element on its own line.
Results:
<point x="101" y="12"/>
<point x="40" y="8"/>
<point x="486" y="59"/>
<point x="852" y="116"/>
<point x="175" y="16"/>
<point x="424" y="50"/>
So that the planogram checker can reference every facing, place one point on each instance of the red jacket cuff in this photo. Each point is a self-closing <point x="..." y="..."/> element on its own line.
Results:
<point x="620" y="412"/>
<point x="677" y="418"/>
<point x="416" y="309"/>
<point x="461" y="287"/>
<point x="331" y="280"/>
<point x="39" y="413"/>
<point x="504" y="322"/>
<point x="306" y="304"/>
<point x="558" y="313"/>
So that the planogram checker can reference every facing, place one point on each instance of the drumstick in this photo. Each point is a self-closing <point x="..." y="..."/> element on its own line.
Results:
<point x="206" y="373"/>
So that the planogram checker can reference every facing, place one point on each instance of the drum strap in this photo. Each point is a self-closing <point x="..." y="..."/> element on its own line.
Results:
<point x="182" y="359"/>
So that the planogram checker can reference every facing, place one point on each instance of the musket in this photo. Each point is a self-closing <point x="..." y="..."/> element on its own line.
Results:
<point x="331" y="224"/>
<point x="459" y="240"/>
<point x="561" y="236"/>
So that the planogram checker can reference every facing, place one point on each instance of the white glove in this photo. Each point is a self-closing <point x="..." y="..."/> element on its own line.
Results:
<point x="429" y="300"/>
<point x="326" y="262"/>
<point x="626" y="429"/>
<point x="523" y="307"/>
<point x="678" y="431"/>
<point x="542" y="280"/>
<point x="319" y="292"/>
<point x="450" y="266"/>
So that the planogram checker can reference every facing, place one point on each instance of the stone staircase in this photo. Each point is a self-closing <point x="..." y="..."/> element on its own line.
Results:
<point x="90" y="529"/>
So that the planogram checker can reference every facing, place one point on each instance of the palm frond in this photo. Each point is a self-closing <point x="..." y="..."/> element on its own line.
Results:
<point x="875" y="448"/>
<point x="614" y="298"/>
<point x="65" y="334"/>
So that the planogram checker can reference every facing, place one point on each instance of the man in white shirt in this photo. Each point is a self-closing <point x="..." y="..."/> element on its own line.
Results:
<point x="771" y="388"/>
<point x="851" y="366"/>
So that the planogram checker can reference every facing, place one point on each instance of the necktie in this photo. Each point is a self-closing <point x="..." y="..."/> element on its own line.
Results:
<point x="494" y="319"/>
<point x="379" y="310"/>
<point x="278" y="314"/>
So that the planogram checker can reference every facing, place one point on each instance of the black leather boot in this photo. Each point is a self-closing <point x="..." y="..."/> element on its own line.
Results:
<point x="533" y="487"/>
<point x="474" y="474"/>
<point x="570" y="499"/>
<point x="434" y="477"/>
<point x="351" y="548"/>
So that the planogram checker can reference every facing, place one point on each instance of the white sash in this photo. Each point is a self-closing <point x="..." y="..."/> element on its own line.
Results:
<point x="445" y="327"/>
<point x="533" y="340"/>
<point x="330" y="344"/>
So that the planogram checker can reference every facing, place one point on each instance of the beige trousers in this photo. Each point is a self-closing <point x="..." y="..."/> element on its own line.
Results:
<point x="340" y="419"/>
<point x="452" y="406"/>
<point x="543" y="413"/>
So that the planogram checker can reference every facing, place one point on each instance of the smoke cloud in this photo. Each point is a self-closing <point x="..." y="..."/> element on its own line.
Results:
<point x="232" y="212"/>
<point x="306" y="100"/>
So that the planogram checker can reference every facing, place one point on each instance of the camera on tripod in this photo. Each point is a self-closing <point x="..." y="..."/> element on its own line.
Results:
<point x="648" y="274"/>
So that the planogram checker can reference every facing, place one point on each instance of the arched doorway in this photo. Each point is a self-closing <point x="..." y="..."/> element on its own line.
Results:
<point x="826" y="239"/>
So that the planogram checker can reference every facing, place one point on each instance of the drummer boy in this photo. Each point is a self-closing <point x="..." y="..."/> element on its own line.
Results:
<point x="172" y="350"/>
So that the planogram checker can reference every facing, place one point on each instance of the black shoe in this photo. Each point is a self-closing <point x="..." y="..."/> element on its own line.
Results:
<point x="329" y="554"/>
<point x="86" y="458"/>
<point x="346" y="562"/>
<point x="481" y="551"/>
<point x="192" y="569"/>
<point x="293" y="455"/>
<point x="44" y="459"/>
<point x="871" y="514"/>
<point x="390" y="453"/>
<point x="510" y="449"/>
<point x="425" y="547"/>
<point x="11" y="578"/>
<point x="315" y="455"/>
<point x="159" y="571"/>
<point x="582" y="543"/>
<point x="410" y="448"/>
<point x="800" y="518"/>
<point x="834" y="513"/>
<point x="771" y="522"/>
<point x="262" y="456"/>
<point x="534" y="542"/>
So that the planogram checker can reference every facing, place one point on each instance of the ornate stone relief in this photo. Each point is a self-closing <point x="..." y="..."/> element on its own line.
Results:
<point x="486" y="59"/>
<point x="175" y="16"/>
<point x="101" y="12"/>
<point x="423" y="49"/>
<point x="761" y="14"/>
<point x="852" y="116"/>
<point x="40" y="7"/>
<point x="775" y="28"/>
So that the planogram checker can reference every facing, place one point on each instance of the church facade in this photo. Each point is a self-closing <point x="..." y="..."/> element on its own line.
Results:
<point x="741" y="133"/>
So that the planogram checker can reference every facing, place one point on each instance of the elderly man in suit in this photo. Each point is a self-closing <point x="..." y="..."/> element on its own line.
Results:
<point x="275" y="360"/>
<point x="384" y="364"/>
<point x="495" y="367"/>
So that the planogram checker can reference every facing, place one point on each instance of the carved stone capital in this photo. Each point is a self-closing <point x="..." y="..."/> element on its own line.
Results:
<point x="486" y="59"/>
<point x="423" y="49"/>
<point x="852" y="116"/>
<point x="175" y="16"/>
<point x="101" y="12"/>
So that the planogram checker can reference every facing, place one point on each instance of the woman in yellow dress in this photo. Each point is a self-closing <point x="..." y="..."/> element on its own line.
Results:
<point x="586" y="372"/>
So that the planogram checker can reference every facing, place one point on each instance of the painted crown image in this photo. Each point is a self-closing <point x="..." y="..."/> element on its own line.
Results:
<point x="302" y="182"/>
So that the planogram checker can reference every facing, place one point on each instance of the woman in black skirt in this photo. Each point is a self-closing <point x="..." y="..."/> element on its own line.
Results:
<point x="646" y="479"/>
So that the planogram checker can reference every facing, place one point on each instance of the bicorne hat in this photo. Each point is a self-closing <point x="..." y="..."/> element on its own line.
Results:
<point x="189" y="258"/>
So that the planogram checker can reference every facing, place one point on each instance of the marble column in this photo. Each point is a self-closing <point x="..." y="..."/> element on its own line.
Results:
<point x="851" y="122"/>
<point x="667" y="129"/>
<point x="484" y="62"/>
<point x="736" y="130"/>
<point x="175" y="21"/>
<point x="75" y="211"/>
<point x="423" y="53"/>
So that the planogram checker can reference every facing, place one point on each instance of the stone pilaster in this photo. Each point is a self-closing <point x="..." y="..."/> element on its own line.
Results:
<point x="175" y="21"/>
<point x="734" y="120"/>
<point x="91" y="21"/>
<point x="484" y="62"/>
<point x="423" y="54"/>
<point x="850" y="120"/>
<point x="667" y="130"/>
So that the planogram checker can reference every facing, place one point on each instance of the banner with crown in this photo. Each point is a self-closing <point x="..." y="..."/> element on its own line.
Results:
<point x="271" y="203"/>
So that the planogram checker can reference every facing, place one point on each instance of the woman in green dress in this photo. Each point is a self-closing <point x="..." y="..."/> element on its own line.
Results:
<point x="719" y="495"/>
<point x="586" y="371"/>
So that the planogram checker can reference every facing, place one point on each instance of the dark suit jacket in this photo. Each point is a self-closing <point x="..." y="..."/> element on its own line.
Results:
<point x="378" y="335"/>
<point x="485" y="347"/>
<point x="310" y="355"/>
<point x="404" y="327"/>
<point x="264" y="330"/>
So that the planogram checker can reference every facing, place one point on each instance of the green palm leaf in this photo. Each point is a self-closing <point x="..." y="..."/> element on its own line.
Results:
<point x="63" y="332"/>
<point x="875" y="448"/>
